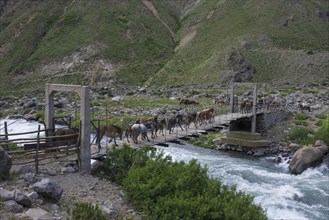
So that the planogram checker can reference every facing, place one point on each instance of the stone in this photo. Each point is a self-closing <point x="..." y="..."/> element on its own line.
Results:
<point x="25" y="169"/>
<point x="319" y="143"/>
<point x="23" y="199"/>
<point x="294" y="147"/>
<point x="308" y="157"/>
<point x="70" y="169"/>
<point x="49" y="189"/>
<point x="13" y="206"/>
<point x="30" y="178"/>
<point x="33" y="196"/>
<point x="97" y="167"/>
<point x="5" y="164"/>
<point x="109" y="208"/>
<point x="6" y="194"/>
<point x="39" y="214"/>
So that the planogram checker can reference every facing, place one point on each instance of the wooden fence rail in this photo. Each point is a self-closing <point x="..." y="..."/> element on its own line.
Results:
<point x="39" y="149"/>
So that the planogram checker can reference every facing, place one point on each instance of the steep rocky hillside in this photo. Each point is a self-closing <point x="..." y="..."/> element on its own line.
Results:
<point x="157" y="42"/>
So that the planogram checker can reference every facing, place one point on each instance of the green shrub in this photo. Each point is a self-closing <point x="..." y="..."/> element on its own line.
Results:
<point x="301" y="135"/>
<point x="300" y="116"/>
<point x="323" y="132"/>
<point x="119" y="161"/>
<point x="205" y="141"/>
<point x="86" y="210"/>
<point x="301" y="122"/>
<point x="162" y="189"/>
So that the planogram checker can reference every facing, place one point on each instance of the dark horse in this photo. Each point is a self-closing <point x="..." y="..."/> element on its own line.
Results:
<point x="111" y="131"/>
<point x="173" y="120"/>
<point x="70" y="135"/>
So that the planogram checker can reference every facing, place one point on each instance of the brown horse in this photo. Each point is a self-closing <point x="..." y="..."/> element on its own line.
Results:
<point x="188" y="102"/>
<point x="72" y="139"/>
<point x="205" y="116"/>
<point x="111" y="131"/>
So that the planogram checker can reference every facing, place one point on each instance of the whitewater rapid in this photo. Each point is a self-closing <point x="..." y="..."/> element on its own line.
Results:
<point x="282" y="195"/>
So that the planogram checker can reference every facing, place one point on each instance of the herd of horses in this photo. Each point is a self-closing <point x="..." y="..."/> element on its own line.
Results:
<point x="156" y="125"/>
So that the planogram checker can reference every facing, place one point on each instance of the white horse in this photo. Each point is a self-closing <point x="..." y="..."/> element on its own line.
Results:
<point x="139" y="129"/>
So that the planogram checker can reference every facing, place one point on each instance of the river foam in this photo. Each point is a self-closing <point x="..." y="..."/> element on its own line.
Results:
<point x="282" y="195"/>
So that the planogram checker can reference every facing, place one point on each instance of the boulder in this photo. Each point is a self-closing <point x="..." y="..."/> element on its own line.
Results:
<point x="5" y="163"/>
<point x="308" y="157"/>
<point x="23" y="199"/>
<point x="13" y="206"/>
<point x="38" y="213"/>
<point x="6" y="195"/>
<point x="49" y="189"/>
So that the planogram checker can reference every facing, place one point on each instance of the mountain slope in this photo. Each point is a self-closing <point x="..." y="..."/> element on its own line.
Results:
<point x="157" y="42"/>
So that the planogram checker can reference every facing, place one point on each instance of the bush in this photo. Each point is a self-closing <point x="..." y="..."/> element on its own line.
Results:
<point x="323" y="132"/>
<point x="119" y="161"/>
<point x="86" y="210"/>
<point x="163" y="189"/>
<point x="301" y="135"/>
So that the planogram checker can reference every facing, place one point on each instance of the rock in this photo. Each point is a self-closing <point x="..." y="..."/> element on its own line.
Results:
<point x="13" y="206"/>
<point x="22" y="199"/>
<point x="258" y="153"/>
<point x="6" y="194"/>
<point x="97" y="167"/>
<point x="30" y="178"/>
<point x="25" y="169"/>
<point x="5" y="164"/>
<point x="33" y="196"/>
<point x="49" y="189"/>
<point x="308" y="157"/>
<point x="319" y="143"/>
<point x="109" y="208"/>
<point x="294" y="147"/>
<point x="39" y="214"/>
<point x="117" y="98"/>
<point x="70" y="169"/>
<point x="216" y="141"/>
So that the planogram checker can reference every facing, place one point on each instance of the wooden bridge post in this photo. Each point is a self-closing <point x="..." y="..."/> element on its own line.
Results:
<point x="232" y="98"/>
<point x="50" y="111"/>
<point x="6" y="135"/>
<point x="254" y="109"/>
<point x="84" y="93"/>
<point x="85" y="152"/>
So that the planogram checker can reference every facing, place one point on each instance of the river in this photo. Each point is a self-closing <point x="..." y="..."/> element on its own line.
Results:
<point x="282" y="195"/>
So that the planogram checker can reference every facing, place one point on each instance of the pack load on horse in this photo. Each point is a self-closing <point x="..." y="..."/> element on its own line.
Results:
<point x="112" y="131"/>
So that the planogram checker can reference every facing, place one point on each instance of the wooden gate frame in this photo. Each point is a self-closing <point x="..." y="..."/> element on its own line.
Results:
<point x="254" y="102"/>
<point x="84" y="93"/>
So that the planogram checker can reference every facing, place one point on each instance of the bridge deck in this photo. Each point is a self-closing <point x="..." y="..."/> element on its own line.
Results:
<point x="219" y="121"/>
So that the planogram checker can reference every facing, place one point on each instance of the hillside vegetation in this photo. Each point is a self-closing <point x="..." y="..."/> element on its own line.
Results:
<point x="155" y="42"/>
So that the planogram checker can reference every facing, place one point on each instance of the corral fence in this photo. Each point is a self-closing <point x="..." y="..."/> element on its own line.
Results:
<point x="39" y="150"/>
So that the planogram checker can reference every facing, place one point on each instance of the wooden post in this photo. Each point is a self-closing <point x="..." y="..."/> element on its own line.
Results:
<point x="254" y="113"/>
<point x="6" y="135"/>
<point x="36" y="159"/>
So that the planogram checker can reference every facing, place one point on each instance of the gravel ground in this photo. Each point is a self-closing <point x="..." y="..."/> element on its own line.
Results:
<point x="76" y="187"/>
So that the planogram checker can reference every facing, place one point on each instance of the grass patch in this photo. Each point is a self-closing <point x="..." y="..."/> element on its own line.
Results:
<point x="301" y="135"/>
<point x="86" y="210"/>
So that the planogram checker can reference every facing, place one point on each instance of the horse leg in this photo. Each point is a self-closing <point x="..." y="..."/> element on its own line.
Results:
<point x="115" y="143"/>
